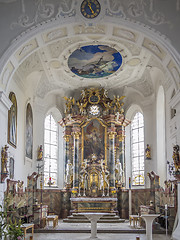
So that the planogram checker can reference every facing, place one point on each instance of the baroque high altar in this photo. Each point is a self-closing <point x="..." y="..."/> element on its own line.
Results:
<point x="94" y="129"/>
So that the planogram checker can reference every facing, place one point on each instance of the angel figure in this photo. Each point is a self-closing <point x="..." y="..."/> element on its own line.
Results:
<point x="69" y="103"/>
<point x="82" y="106"/>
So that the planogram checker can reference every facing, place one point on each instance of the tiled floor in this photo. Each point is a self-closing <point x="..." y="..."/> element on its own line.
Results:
<point x="102" y="236"/>
<point x="101" y="226"/>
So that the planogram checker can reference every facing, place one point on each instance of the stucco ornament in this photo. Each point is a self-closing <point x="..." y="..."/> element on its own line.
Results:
<point x="137" y="8"/>
<point x="43" y="11"/>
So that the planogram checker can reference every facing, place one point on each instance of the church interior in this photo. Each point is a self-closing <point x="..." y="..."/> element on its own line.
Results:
<point x="90" y="119"/>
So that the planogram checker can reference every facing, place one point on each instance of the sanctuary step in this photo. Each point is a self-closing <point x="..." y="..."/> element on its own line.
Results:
<point x="79" y="218"/>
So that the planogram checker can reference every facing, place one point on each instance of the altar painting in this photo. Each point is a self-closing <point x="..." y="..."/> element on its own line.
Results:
<point x="94" y="139"/>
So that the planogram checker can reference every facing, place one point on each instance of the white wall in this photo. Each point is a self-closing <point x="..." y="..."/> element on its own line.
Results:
<point x="5" y="104"/>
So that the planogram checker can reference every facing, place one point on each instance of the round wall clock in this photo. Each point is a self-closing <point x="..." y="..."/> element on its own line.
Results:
<point x="90" y="8"/>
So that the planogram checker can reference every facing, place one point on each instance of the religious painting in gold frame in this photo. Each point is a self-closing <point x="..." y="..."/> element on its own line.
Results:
<point x="12" y="121"/>
<point x="29" y="131"/>
<point x="94" y="139"/>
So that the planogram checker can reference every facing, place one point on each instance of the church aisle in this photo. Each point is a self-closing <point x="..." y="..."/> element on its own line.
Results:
<point x="101" y="236"/>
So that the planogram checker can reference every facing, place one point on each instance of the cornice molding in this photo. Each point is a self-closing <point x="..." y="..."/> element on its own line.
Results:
<point x="175" y="101"/>
<point x="5" y="100"/>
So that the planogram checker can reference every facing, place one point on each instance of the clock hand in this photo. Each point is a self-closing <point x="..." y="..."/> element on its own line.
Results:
<point x="89" y="5"/>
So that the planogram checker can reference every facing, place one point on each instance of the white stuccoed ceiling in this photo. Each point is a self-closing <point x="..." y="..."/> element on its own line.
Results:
<point x="49" y="63"/>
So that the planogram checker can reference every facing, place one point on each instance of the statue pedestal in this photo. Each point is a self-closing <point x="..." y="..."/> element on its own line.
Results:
<point x="86" y="204"/>
<point x="149" y="220"/>
<point x="93" y="217"/>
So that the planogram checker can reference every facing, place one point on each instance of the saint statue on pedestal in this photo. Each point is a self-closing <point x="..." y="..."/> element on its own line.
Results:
<point x="69" y="170"/>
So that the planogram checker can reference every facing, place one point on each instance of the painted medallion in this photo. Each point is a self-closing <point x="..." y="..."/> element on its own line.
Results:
<point x="95" y="61"/>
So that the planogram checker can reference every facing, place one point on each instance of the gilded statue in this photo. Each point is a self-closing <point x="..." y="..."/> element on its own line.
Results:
<point x="82" y="107"/>
<point x="176" y="157"/>
<point x="40" y="153"/>
<point x="148" y="152"/>
<point x="4" y="159"/>
<point x="69" y="103"/>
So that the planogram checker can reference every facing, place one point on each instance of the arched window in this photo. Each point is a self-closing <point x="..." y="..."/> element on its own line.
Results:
<point x="50" y="151"/>
<point x="137" y="149"/>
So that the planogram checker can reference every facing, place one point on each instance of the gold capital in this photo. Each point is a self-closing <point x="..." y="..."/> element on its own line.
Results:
<point x="67" y="138"/>
<point x="76" y="135"/>
<point x="112" y="135"/>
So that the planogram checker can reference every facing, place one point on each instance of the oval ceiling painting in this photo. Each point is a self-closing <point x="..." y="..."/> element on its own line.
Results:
<point x="95" y="61"/>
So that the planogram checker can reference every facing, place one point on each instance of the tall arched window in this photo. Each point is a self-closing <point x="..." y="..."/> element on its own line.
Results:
<point x="137" y="149"/>
<point x="50" y="151"/>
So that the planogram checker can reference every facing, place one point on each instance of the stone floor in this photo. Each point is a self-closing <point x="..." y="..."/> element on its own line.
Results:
<point x="102" y="236"/>
<point x="81" y="231"/>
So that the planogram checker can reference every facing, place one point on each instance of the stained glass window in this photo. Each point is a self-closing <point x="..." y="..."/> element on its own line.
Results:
<point x="137" y="149"/>
<point x="50" y="151"/>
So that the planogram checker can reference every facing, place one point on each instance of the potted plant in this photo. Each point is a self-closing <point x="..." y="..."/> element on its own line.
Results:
<point x="3" y="222"/>
<point x="14" y="230"/>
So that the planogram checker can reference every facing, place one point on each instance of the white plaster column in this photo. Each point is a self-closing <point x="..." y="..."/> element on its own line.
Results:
<point x="38" y="131"/>
<point x="149" y="136"/>
<point x="175" y="104"/>
<point x="176" y="233"/>
<point x="5" y="105"/>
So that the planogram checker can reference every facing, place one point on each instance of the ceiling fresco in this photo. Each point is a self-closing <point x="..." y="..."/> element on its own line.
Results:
<point x="95" y="61"/>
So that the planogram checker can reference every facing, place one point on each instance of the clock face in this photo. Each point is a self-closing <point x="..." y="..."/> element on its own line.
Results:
<point x="90" y="8"/>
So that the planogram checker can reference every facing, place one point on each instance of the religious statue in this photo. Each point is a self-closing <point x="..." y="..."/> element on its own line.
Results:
<point x="4" y="159"/>
<point x="69" y="104"/>
<point x="106" y="178"/>
<point x="176" y="157"/>
<point x="69" y="170"/>
<point x="119" y="171"/>
<point x="148" y="152"/>
<point x="40" y="153"/>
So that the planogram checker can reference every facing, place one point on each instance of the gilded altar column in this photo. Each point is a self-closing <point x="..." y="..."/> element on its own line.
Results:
<point x="76" y="135"/>
<point x="112" y="189"/>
